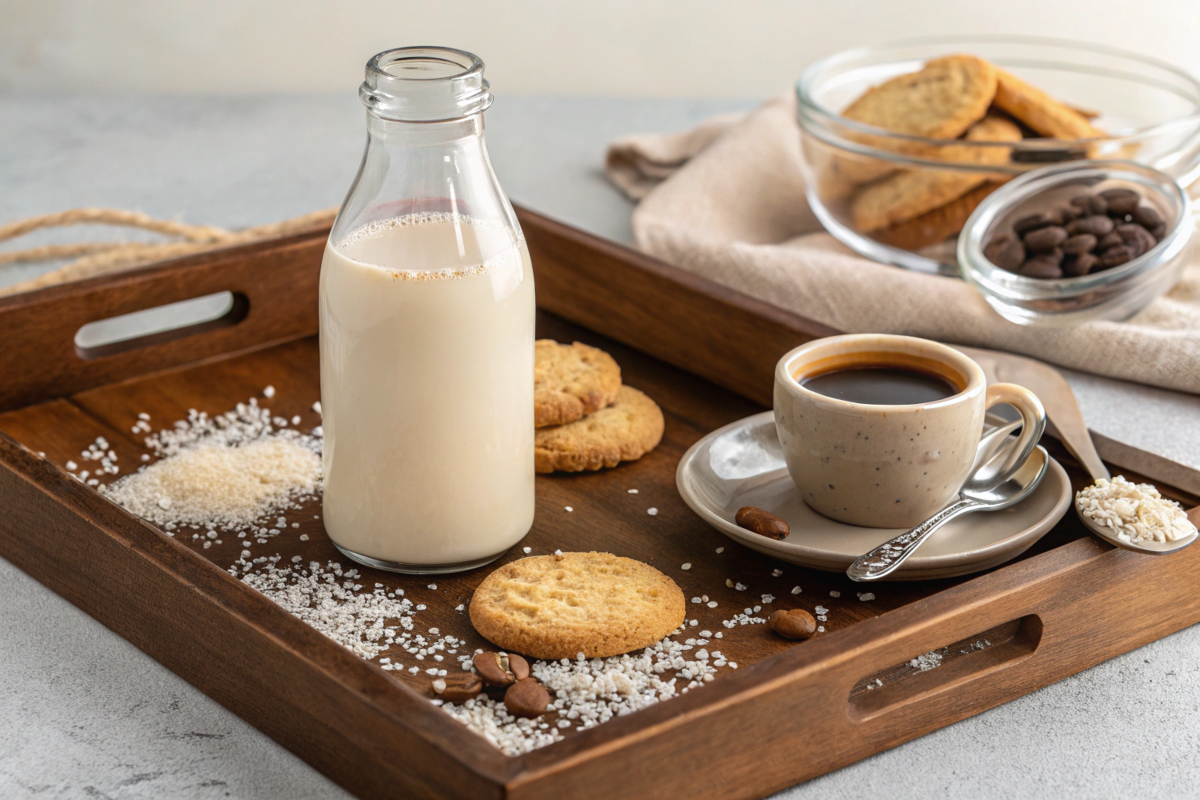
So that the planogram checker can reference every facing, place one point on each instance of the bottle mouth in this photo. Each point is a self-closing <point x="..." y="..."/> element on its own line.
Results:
<point x="425" y="84"/>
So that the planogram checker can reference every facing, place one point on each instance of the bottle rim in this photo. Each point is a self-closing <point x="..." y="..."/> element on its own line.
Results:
<point x="425" y="84"/>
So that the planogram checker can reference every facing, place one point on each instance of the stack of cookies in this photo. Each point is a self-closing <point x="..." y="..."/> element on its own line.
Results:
<point x="586" y="418"/>
<point x="958" y="97"/>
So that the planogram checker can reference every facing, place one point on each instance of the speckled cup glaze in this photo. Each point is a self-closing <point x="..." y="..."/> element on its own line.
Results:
<point x="885" y="466"/>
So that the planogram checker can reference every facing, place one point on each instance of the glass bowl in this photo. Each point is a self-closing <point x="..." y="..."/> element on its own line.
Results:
<point x="1112" y="294"/>
<point x="1149" y="109"/>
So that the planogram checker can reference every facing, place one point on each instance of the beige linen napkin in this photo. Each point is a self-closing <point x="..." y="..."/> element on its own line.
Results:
<point x="734" y="211"/>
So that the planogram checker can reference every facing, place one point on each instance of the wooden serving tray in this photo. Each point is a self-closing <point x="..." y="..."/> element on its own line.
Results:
<point x="792" y="711"/>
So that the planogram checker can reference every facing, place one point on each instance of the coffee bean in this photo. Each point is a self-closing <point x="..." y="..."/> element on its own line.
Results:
<point x="1109" y="240"/>
<point x="1045" y="239"/>
<point x="1159" y="231"/>
<point x="1147" y="217"/>
<point x="1137" y="237"/>
<point x="1121" y="201"/>
<point x="1041" y="266"/>
<point x="764" y="523"/>
<point x="795" y="623"/>
<point x="1097" y="205"/>
<point x="493" y="669"/>
<point x="1082" y="264"/>
<point x="1080" y="201"/>
<point x="1082" y="243"/>
<point x="1033" y="221"/>
<point x="526" y="698"/>
<point x="1095" y="225"/>
<point x="1114" y="256"/>
<point x="1068" y="214"/>
<point x="1006" y="252"/>
<point x="518" y="666"/>
<point x="458" y="689"/>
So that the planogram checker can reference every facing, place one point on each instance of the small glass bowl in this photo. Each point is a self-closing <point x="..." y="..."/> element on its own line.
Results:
<point x="1112" y="294"/>
<point x="1149" y="110"/>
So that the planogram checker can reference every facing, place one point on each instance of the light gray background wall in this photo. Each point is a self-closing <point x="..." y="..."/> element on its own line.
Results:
<point x="693" y="48"/>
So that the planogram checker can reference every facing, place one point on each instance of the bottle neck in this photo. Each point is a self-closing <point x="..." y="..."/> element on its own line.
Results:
<point x="394" y="133"/>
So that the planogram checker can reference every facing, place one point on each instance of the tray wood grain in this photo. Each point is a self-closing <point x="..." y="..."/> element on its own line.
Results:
<point x="706" y="354"/>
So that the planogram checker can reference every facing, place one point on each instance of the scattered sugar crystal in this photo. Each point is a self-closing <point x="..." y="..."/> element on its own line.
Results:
<point x="720" y="549"/>
<point x="835" y="593"/>
<point x="696" y="600"/>
<point x="72" y="466"/>
<point x="775" y="573"/>
<point x="317" y="406"/>
<point x="433" y="586"/>
<point x="652" y="511"/>
<point x="633" y="491"/>
<point x="926" y="662"/>
<point x="527" y="550"/>
<point x="711" y="604"/>
<point x="568" y="508"/>
<point x="741" y="587"/>
<point x="768" y="599"/>
<point x="822" y="610"/>
<point x="866" y="596"/>
<point x="269" y="392"/>
<point x="686" y="566"/>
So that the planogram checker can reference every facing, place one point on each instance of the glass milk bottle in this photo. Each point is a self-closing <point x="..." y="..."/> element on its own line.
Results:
<point x="427" y="316"/>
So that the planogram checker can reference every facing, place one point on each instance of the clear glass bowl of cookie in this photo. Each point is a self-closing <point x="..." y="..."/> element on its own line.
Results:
<point x="902" y="142"/>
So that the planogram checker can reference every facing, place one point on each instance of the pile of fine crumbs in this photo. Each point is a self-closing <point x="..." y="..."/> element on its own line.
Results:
<point x="226" y="471"/>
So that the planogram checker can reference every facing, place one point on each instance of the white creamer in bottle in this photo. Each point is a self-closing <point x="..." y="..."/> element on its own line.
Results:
<point x="427" y="329"/>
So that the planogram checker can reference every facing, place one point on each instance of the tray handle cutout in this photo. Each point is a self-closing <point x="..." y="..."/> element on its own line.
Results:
<point x="945" y="668"/>
<point x="159" y="324"/>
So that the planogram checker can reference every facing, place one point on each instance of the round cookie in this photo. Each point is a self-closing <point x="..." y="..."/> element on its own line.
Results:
<point x="571" y="380"/>
<point x="939" y="102"/>
<point x="1040" y="111"/>
<point x="937" y="225"/>
<point x="597" y="604"/>
<point x="909" y="194"/>
<point x="625" y="431"/>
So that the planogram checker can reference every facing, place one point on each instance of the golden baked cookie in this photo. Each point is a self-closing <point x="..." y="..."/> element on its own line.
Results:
<point x="625" y="431"/>
<point x="571" y="380"/>
<point x="937" y="225"/>
<point x="597" y="604"/>
<point x="909" y="194"/>
<point x="940" y="101"/>
<point x="1041" y="112"/>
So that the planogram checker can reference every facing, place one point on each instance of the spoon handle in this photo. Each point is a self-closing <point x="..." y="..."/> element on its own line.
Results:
<point x="888" y="557"/>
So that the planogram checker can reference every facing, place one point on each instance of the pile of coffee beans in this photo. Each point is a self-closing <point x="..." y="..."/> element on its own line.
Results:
<point x="1093" y="232"/>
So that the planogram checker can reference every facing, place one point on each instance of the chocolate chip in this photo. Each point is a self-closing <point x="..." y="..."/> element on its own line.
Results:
<point x="1042" y="240"/>
<point x="794" y="623"/>
<point x="1041" y="266"/>
<point x="1095" y="225"/>
<point x="518" y="666"/>
<point x="1033" y="221"/>
<point x="1006" y="252"/>
<point x="526" y="698"/>
<point x="1137" y="237"/>
<point x="1115" y="256"/>
<point x="1147" y="217"/>
<point x="1121" y="201"/>
<point x="764" y="523"/>
<point x="1097" y="205"/>
<point x="1081" y="264"/>
<point x="458" y="689"/>
<point x="493" y="668"/>
<point x="1081" y="243"/>
<point x="1080" y="201"/>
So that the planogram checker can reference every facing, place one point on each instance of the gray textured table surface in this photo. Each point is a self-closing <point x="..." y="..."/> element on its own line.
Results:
<point x="85" y="714"/>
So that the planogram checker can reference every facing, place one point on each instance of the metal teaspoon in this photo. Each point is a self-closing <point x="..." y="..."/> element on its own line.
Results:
<point x="976" y="495"/>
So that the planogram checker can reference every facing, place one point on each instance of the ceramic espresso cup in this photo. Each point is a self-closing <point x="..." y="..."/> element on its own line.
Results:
<point x="887" y="466"/>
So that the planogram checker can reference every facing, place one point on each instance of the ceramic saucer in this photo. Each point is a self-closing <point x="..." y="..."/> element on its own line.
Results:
<point x="742" y="465"/>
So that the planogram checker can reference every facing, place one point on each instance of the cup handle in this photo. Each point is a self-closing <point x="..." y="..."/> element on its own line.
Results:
<point x="1033" y="423"/>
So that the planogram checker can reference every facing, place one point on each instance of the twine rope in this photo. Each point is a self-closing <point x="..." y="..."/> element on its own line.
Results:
<point x="97" y="258"/>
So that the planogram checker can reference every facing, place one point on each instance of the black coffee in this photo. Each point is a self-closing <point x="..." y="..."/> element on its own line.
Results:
<point x="881" y="385"/>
